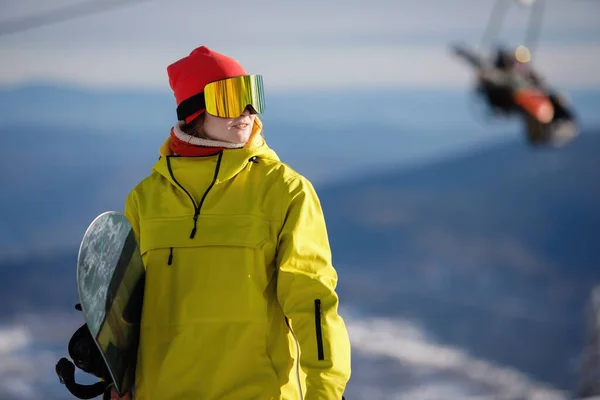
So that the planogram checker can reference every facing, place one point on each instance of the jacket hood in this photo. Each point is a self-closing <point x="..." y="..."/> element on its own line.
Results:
<point x="232" y="161"/>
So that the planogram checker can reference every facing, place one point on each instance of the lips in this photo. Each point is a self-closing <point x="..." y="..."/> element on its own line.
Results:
<point x="241" y="125"/>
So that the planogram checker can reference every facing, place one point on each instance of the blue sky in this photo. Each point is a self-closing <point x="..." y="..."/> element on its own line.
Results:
<point x="307" y="45"/>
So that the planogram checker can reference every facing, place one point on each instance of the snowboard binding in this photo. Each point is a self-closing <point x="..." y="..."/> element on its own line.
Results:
<point x="86" y="356"/>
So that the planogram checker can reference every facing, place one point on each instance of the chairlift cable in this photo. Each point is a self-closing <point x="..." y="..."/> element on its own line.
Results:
<point x="62" y="14"/>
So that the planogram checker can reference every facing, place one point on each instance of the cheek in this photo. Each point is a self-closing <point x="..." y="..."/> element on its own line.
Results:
<point x="215" y="127"/>
<point x="207" y="125"/>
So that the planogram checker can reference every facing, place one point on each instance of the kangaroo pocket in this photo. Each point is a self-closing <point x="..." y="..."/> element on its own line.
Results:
<point x="208" y="303"/>
<point x="212" y="360"/>
<point x="219" y="275"/>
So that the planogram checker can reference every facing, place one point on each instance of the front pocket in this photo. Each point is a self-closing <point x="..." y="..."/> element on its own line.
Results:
<point x="212" y="230"/>
<point x="319" y="330"/>
<point x="219" y="275"/>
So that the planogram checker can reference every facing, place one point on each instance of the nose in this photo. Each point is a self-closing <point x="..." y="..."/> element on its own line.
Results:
<point x="249" y="110"/>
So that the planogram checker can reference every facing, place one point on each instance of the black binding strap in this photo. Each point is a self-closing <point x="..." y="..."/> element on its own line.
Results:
<point x="190" y="105"/>
<point x="65" y="370"/>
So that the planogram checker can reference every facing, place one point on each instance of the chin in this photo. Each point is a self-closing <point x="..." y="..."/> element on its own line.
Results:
<point x="242" y="139"/>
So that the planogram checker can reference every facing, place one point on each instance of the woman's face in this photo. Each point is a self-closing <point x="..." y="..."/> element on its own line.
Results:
<point x="232" y="130"/>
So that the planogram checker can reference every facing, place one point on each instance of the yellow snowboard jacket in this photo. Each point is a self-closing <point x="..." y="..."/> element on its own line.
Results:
<point x="240" y="298"/>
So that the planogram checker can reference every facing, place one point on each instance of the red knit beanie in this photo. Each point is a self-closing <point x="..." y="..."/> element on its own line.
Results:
<point x="189" y="75"/>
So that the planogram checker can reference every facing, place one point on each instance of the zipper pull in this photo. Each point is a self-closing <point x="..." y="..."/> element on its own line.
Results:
<point x="195" y="222"/>
<point x="170" y="257"/>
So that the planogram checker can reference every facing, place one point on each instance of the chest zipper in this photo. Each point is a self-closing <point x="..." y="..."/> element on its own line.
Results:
<point x="199" y="206"/>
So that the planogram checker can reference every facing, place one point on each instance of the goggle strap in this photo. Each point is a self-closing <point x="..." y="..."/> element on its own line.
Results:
<point x="191" y="105"/>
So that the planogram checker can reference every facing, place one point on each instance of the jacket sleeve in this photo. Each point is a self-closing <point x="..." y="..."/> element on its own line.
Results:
<point x="306" y="291"/>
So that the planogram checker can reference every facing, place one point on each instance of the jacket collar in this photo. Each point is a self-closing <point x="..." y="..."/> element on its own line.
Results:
<point x="232" y="160"/>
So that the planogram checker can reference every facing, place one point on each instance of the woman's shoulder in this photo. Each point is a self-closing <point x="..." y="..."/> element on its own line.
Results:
<point x="146" y="183"/>
<point x="286" y="179"/>
<point x="280" y="171"/>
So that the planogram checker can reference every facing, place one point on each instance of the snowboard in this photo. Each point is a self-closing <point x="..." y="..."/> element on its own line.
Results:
<point x="110" y="282"/>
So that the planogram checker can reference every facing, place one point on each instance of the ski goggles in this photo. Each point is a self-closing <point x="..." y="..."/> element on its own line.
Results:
<point x="226" y="98"/>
